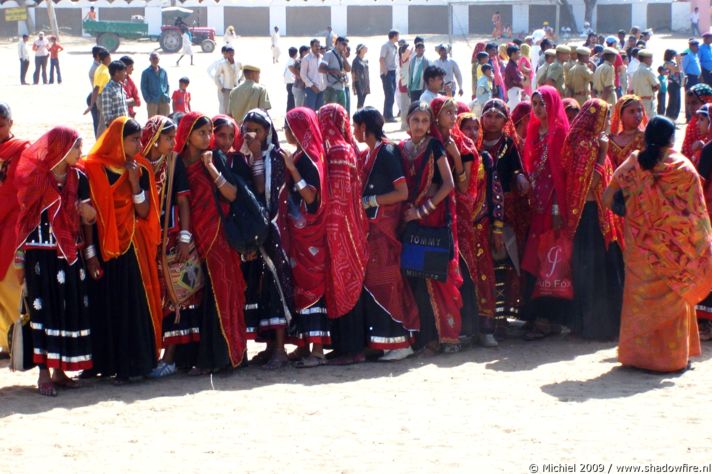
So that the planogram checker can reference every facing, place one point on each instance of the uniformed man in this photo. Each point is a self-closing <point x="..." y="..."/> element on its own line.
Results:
<point x="570" y="63"/>
<point x="549" y="57"/>
<point x="580" y="76"/>
<point x="555" y="72"/>
<point x="604" y="79"/>
<point x="645" y="82"/>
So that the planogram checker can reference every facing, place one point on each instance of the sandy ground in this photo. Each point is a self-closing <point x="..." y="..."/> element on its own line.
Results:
<point x="508" y="410"/>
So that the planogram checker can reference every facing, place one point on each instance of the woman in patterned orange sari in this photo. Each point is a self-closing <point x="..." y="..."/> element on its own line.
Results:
<point x="122" y="254"/>
<point x="597" y="262"/>
<point x="668" y="253"/>
<point x="627" y="124"/>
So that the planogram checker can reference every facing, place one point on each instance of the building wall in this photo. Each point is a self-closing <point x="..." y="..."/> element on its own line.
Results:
<point x="428" y="19"/>
<point x="308" y="21"/>
<point x="612" y="18"/>
<point x="368" y="21"/>
<point x="248" y="21"/>
<point x="659" y="16"/>
<point x="481" y="17"/>
<point x="538" y="14"/>
<point x="68" y="19"/>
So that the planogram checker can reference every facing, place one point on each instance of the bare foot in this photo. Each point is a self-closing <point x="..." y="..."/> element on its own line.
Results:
<point x="299" y="353"/>
<point x="45" y="386"/>
<point x="60" y="379"/>
<point x="278" y="360"/>
<point x="262" y="358"/>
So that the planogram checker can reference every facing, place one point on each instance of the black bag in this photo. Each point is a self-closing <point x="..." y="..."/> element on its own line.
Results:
<point x="246" y="225"/>
<point x="618" y="205"/>
<point x="427" y="251"/>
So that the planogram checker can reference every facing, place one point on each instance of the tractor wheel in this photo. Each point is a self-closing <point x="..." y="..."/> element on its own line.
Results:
<point x="171" y="41"/>
<point x="110" y="41"/>
<point x="208" y="46"/>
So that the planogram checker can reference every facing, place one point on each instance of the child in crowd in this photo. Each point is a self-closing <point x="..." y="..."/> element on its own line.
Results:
<point x="484" y="88"/>
<point x="662" y="92"/>
<point x="54" y="49"/>
<point x="181" y="97"/>
<point x="433" y="77"/>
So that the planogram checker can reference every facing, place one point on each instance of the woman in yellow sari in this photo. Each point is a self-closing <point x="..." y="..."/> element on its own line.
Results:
<point x="668" y="253"/>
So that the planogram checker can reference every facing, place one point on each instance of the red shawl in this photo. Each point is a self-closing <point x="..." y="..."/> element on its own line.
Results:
<point x="556" y="134"/>
<point x="10" y="151"/>
<point x="384" y="279"/>
<point x="579" y="158"/>
<point x="222" y="261"/>
<point x="479" y="47"/>
<point x="346" y="223"/>
<point x="37" y="190"/>
<point x="445" y="296"/>
<point x="237" y="142"/>
<point x="306" y="245"/>
<point x="691" y="133"/>
<point x="117" y="223"/>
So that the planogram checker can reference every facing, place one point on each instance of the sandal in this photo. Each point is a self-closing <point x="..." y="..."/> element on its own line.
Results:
<point x="310" y="361"/>
<point x="298" y="354"/>
<point x="276" y="362"/>
<point x="47" y="389"/>
<point x="162" y="370"/>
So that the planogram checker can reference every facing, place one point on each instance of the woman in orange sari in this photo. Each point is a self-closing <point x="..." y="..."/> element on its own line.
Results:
<point x="121" y="255"/>
<point x="597" y="262"/>
<point x="628" y="121"/>
<point x="10" y="150"/>
<point x="223" y="335"/>
<point x="668" y="253"/>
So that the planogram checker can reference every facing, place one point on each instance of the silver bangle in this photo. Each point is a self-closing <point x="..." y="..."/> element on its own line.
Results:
<point x="90" y="252"/>
<point x="139" y="198"/>
<point x="301" y="184"/>
<point x="218" y="178"/>
<point x="555" y="210"/>
<point x="430" y="206"/>
<point x="220" y="181"/>
<point x="185" y="237"/>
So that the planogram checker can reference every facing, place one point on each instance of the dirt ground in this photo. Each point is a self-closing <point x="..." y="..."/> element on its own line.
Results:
<point x="515" y="409"/>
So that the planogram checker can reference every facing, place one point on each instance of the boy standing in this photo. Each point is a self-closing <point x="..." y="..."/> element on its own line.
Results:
<point x="130" y="87"/>
<point x="662" y="92"/>
<point x="484" y="87"/>
<point x="113" y="98"/>
<point x="434" y="78"/>
<point x="181" y="97"/>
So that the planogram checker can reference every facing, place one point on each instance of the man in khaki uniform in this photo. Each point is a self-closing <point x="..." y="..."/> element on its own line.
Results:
<point x="248" y="95"/>
<point x="555" y="72"/>
<point x="549" y="56"/>
<point x="568" y="65"/>
<point x="644" y="82"/>
<point x="580" y="77"/>
<point x="604" y="79"/>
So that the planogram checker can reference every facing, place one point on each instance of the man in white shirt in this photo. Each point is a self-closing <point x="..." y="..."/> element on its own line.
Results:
<point x="24" y="56"/>
<point x="275" y="45"/>
<point x="41" y="49"/>
<point x="695" y="22"/>
<point x="227" y="76"/>
<point x="452" y="72"/>
<point x="313" y="80"/>
<point x="388" y="62"/>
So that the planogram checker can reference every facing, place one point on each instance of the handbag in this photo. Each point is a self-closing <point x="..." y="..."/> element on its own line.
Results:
<point x="554" y="278"/>
<point x="20" y="338"/>
<point x="427" y="251"/>
<point x="183" y="279"/>
<point x="246" y="224"/>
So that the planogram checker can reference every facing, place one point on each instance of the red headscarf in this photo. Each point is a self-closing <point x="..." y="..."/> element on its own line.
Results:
<point x="479" y="47"/>
<point x="703" y="92"/>
<point x="556" y="134"/>
<point x="520" y="111"/>
<point x="346" y="223"/>
<point x="237" y="142"/>
<point x="464" y="144"/>
<point x="10" y="152"/>
<point x="621" y="104"/>
<point x="307" y="246"/>
<point x="37" y="190"/>
<point x="152" y="131"/>
<point x="508" y="129"/>
<point x="185" y="128"/>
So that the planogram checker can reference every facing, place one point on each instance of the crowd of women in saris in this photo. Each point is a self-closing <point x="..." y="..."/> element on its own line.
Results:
<point x="548" y="218"/>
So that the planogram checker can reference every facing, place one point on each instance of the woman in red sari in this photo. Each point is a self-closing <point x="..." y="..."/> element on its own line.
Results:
<point x="121" y="255"/>
<point x="53" y="194"/>
<point x="668" y="253"/>
<point x="222" y="332"/>
<point x="303" y="225"/>
<point x="704" y="168"/>
<point x="696" y="97"/>
<point x="548" y="127"/>
<point x="520" y="119"/>
<point x="597" y="261"/>
<point x="627" y="124"/>
<point x="10" y="150"/>
<point x="463" y="159"/>
<point x="430" y="201"/>
<point x="390" y="310"/>
<point x="346" y="228"/>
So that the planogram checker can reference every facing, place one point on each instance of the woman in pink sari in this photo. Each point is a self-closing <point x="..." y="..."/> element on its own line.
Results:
<point x="548" y="127"/>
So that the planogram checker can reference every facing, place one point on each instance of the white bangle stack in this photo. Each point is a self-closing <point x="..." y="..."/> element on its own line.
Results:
<point x="258" y="168"/>
<point x="139" y="198"/>
<point x="89" y="252"/>
<point x="220" y="181"/>
<point x="185" y="237"/>
<point x="301" y="184"/>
